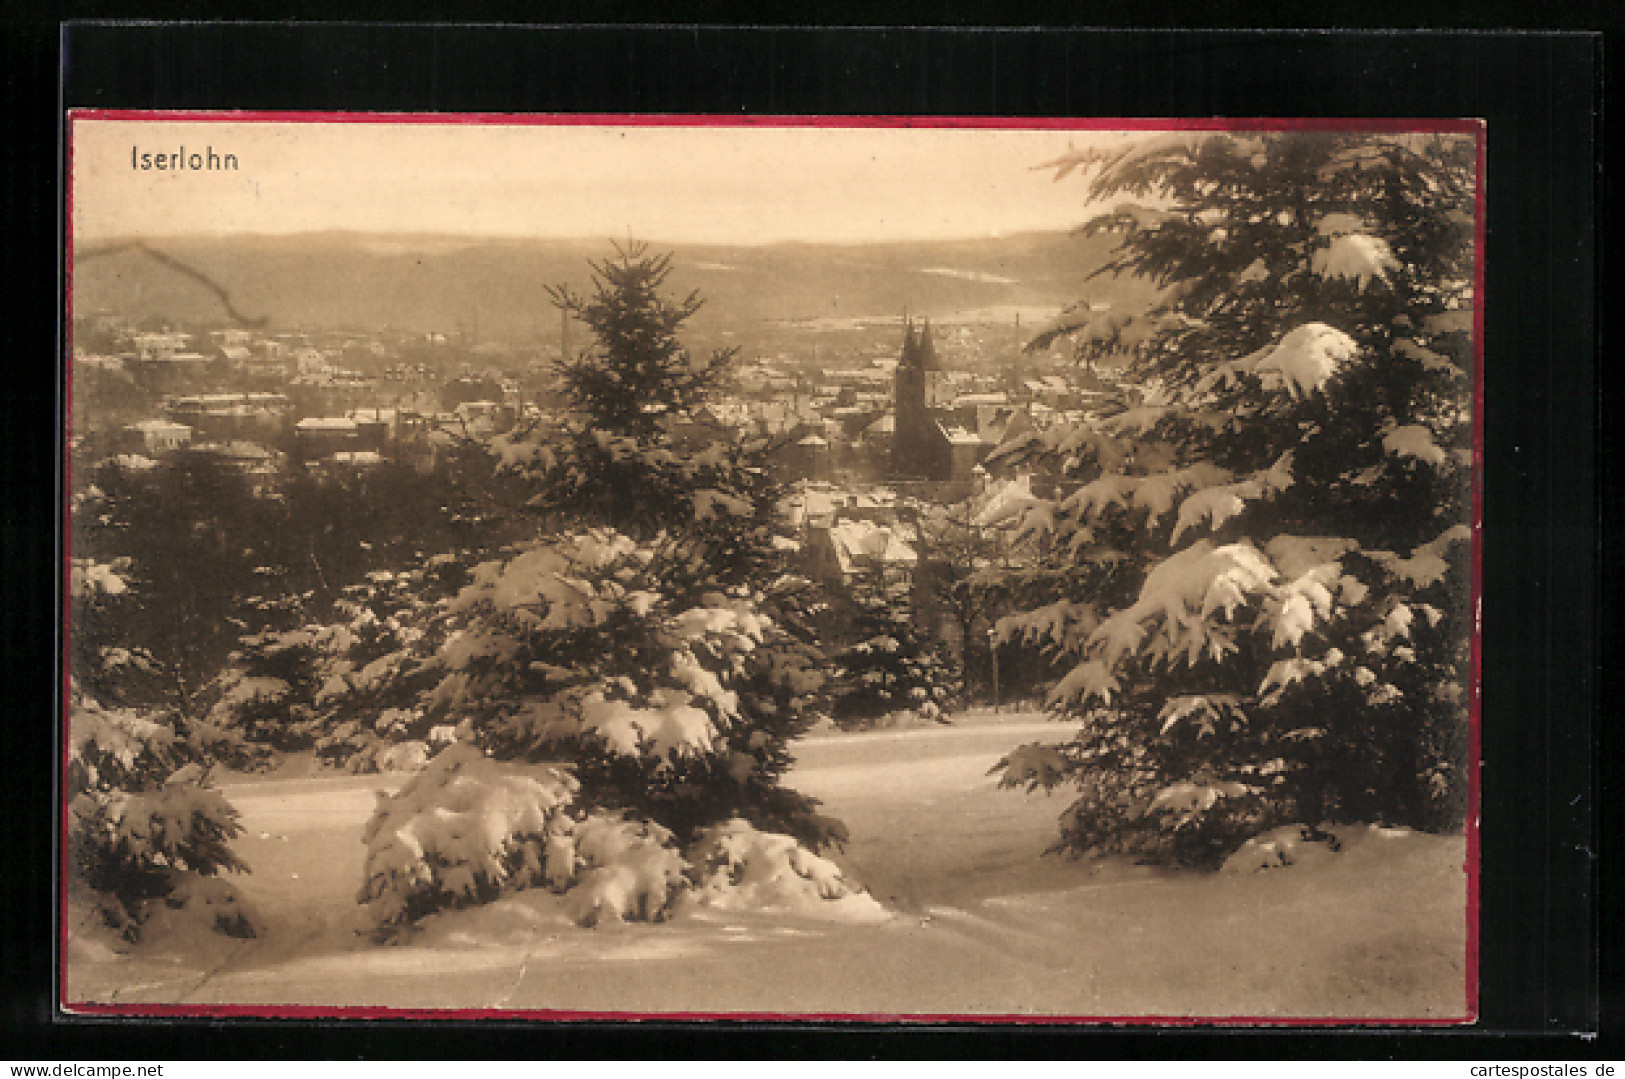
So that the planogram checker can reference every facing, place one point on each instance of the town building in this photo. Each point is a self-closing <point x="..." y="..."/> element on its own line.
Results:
<point x="156" y="436"/>
<point x="159" y="346"/>
<point x="319" y="436"/>
<point x="808" y="457"/>
<point x="168" y="372"/>
<point x="245" y="458"/>
<point x="229" y="417"/>
<point x="837" y="552"/>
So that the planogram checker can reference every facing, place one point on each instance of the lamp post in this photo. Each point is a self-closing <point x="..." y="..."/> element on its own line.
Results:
<point x="993" y="651"/>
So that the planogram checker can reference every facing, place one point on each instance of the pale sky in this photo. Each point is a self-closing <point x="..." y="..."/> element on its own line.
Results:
<point x="676" y="184"/>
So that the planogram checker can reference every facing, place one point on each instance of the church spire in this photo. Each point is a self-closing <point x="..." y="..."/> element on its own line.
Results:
<point x="911" y="343"/>
<point x="926" y="348"/>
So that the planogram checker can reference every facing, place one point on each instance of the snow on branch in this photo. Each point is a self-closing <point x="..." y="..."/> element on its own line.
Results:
<point x="1217" y="504"/>
<point x="671" y="727"/>
<point x="1184" y="804"/>
<point x="1357" y="257"/>
<point x="1426" y="564"/>
<point x="1430" y="360"/>
<point x="1305" y="359"/>
<point x="1414" y="441"/>
<point x="1034" y="766"/>
<point x="1063" y="624"/>
<point x="1177" y="599"/>
<point x="1205" y="711"/>
<point x="1090" y="680"/>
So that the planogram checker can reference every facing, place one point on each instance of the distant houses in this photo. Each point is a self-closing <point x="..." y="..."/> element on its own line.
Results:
<point x="848" y="407"/>
<point x="245" y="458"/>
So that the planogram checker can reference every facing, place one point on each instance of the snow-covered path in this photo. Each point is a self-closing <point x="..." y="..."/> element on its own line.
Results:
<point x="984" y="924"/>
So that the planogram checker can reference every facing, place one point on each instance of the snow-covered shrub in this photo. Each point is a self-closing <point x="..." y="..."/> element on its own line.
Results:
<point x="206" y="904"/>
<point x="738" y="867"/>
<point x="469" y="828"/>
<point x="460" y="832"/>
<point x="1351" y="849"/>
<point x="183" y="536"/>
<point x="243" y="587"/>
<point x="133" y="843"/>
<point x="1263" y="554"/>
<point x="1290" y="844"/>
<point x="266" y="693"/>
<point x="605" y="867"/>
<point x="622" y="870"/>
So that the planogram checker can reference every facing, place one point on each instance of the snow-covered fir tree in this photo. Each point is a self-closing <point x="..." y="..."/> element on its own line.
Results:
<point x="655" y="640"/>
<point x="637" y="671"/>
<point x="891" y="668"/>
<point x="1264" y="562"/>
<point x="148" y="832"/>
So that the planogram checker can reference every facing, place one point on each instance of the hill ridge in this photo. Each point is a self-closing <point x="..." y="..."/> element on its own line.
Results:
<point x="421" y="282"/>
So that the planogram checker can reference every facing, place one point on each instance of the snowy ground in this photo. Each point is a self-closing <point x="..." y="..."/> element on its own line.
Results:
<point x="983" y="924"/>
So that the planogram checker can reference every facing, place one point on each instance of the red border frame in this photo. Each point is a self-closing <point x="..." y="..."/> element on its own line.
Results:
<point x="1477" y="128"/>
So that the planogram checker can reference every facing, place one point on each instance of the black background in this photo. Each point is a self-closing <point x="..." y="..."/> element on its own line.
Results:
<point x="1542" y="616"/>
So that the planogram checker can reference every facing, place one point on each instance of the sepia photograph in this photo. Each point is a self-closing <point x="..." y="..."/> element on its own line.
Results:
<point x="800" y="568"/>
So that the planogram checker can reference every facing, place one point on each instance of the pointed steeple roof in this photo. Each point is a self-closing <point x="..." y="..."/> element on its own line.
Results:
<point x="927" y="348"/>
<point x="909" y="357"/>
<point x="918" y="349"/>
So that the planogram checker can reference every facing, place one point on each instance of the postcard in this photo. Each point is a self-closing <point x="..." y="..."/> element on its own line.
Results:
<point x="854" y="568"/>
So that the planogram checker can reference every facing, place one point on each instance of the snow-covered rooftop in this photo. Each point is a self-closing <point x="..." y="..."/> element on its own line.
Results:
<point x="159" y="427"/>
<point x="856" y="541"/>
<point x="1010" y="499"/>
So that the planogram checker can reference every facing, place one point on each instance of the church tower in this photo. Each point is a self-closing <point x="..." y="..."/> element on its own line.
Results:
<point x="919" y="448"/>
